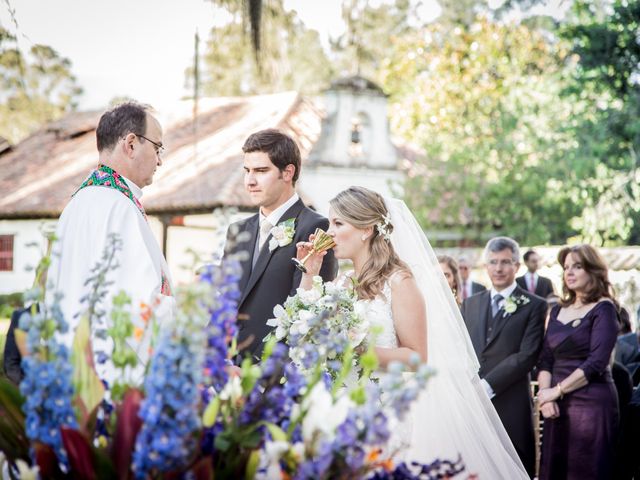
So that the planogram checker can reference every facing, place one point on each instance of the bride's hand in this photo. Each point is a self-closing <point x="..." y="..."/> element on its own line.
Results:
<point x="314" y="262"/>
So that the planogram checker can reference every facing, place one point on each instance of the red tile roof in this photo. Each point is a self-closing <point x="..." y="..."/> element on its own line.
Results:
<point x="201" y="170"/>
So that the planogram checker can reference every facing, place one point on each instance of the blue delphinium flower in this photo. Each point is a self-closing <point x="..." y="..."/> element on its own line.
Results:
<point x="401" y="392"/>
<point x="47" y="384"/>
<point x="270" y="399"/>
<point x="220" y="330"/>
<point x="223" y="313"/>
<point x="170" y="410"/>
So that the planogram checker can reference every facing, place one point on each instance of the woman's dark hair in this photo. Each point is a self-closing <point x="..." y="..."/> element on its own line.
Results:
<point x="595" y="266"/>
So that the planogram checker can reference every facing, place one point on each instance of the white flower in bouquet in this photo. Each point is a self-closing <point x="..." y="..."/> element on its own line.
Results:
<point x="321" y="325"/>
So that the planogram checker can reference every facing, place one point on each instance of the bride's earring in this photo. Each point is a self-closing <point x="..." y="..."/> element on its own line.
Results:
<point x="364" y="238"/>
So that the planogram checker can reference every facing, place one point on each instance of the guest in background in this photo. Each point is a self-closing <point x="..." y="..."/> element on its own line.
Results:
<point x="531" y="281"/>
<point x="12" y="358"/>
<point x="449" y="267"/>
<point x="506" y="326"/>
<point x="469" y="287"/>
<point x="577" y="396"/>
<point x="627" y="346"/>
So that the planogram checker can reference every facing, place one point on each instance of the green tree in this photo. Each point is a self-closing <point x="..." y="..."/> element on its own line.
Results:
<point x="360" y="49"/>
<point x="291" y="56"/>
<point x="605" y="95"/>
<point x="483" y="101"/>
<point x="35" y="88"/>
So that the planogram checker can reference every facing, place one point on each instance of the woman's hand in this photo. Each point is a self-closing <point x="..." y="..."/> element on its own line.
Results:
<point x="550" y="410"/>
<point x="314" y="262"/>
<point x="548" y="395"/>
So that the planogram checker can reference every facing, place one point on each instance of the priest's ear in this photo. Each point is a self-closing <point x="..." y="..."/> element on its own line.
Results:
<point x="129" y="144"/>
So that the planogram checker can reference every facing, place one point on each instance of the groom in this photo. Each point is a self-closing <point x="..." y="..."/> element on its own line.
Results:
<point x="271" y="168"/>
<point x="506" y="326"/>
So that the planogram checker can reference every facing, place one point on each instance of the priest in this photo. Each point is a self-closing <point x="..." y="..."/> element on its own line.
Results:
<point x="129" y="141"/>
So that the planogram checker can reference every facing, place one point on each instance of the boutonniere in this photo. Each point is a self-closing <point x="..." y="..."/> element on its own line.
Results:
<point x="282" y="234"/>
<point x="511" y="304"/>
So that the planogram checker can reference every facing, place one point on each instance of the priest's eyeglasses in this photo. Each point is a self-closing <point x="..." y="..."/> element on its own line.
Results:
<point x="159" y="147"/>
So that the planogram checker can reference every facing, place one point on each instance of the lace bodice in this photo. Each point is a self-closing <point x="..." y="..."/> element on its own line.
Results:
<point x="378" y="313"/>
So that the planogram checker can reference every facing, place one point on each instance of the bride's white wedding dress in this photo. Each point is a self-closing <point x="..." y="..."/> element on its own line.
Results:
<point x="454" y="415"/>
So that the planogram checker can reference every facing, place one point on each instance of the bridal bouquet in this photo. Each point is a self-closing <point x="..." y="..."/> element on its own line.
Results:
<point x="322" y="326"/>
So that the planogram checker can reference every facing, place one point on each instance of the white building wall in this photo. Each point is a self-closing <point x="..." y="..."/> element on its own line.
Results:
<point x="25" y="232"/>
<point x="321" y="184"/>
<point x="199" y="241"/>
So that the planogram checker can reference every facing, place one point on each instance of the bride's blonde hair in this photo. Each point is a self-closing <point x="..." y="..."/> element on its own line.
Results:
<point x="365" y="208"/>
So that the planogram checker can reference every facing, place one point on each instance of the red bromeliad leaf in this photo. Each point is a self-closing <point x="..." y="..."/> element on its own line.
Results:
<point x="47" y="461"/>
<point x="127" y="427"/>
<point x="79" y="453"/>
<point x="203" y="469"/>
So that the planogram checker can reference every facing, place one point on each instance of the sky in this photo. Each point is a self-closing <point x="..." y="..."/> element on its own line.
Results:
<point x="136" y="48"/>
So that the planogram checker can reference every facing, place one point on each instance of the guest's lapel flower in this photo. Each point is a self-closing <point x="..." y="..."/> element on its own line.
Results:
<point x="511" y="304"/>
<point x="282" y="234"/>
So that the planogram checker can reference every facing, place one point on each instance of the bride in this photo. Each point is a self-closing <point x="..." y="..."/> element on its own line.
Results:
<point x="398" y="277"/>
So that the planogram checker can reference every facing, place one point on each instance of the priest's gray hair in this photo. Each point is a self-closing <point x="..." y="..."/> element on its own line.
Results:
<point x="498" y="244"/>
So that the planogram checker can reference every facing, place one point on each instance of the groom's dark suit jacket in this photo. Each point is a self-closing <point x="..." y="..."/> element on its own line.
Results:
<point x="274" y="276"/>
<point x="506" y="357"/>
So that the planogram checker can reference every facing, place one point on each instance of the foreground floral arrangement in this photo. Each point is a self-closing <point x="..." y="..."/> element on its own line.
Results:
<point x="190" y="417"/>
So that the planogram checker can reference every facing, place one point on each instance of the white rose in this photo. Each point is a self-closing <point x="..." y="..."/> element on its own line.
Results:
<point x="323" y="415"/>
<point x="232" y="390"/>
<point x="309" y="297"/>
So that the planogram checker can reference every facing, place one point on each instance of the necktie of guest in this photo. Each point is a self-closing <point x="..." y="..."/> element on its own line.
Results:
<point x="532" y="284"/>
<point x="495" y="304"/>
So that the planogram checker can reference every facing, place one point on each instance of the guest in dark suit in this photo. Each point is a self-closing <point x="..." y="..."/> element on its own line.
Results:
<point x="577" y="395"/>
<point x="506" y="326"/>
<point x="468" y="286"/>
<point x="12" y="358"/>
<point x="531" y="281"/>
<point x="271" y="166"/>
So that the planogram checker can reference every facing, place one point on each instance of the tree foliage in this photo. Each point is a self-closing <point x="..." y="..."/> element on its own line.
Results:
<point x="35" y="88"/>
<point x="291" y="56"/>
<point x="483" y="101"/>
<point x="604" y="39"/>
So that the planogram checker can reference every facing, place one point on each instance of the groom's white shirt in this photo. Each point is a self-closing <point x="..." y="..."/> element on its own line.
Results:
<point x="505" y="294"/>
<point x="275" y="216"/>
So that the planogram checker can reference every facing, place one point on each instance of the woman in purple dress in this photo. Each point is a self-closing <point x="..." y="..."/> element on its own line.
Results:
<point x="577" y="396"/>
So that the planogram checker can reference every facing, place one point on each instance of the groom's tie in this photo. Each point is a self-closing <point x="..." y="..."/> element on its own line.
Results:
<point x="263" y="233"/>
<point x="265" y="228"/>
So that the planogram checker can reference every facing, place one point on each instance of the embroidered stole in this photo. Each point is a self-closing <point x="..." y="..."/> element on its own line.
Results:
<point x="105" y="176"/>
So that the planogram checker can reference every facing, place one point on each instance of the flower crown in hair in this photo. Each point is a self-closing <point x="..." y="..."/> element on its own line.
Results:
<point x="384" y="227"/>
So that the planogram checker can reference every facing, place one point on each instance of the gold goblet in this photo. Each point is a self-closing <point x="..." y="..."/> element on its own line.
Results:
<point x="322" y="241"/>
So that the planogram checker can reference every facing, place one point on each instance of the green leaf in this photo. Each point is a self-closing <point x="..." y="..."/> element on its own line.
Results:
<point x="276" y="432"/>
<point x="88" y="386"/>
<point x="222" y="442"/>
<point x="252" y="464"/>
<point x="211" y="412"/>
